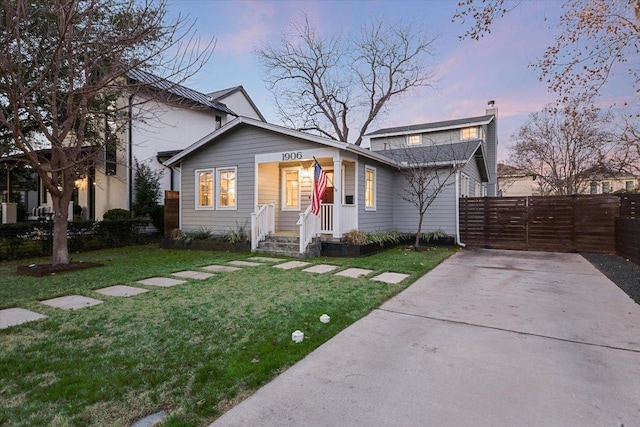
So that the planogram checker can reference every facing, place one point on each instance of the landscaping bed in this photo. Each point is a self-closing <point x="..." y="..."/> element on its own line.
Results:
<point x="624" y="273"/>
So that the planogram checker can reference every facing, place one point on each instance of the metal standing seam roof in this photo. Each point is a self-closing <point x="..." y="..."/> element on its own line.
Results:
<point x="428" y="127"/>
<point x="177" y="89"/>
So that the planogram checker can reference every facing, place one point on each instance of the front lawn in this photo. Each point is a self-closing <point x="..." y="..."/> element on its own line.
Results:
<point x="192" y="350"/>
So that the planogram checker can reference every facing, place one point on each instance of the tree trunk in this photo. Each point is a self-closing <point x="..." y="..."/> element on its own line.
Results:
<point x="60" y="253"/>
<point x="417" y="243"/>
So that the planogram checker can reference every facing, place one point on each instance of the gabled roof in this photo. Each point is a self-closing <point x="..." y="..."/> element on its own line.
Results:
<point x="219" y="95"/>
<point x="240" y="121"/>
<point x="458" y="153"/>
<point x="433" y="127"/>
<point x="178" y="90"/>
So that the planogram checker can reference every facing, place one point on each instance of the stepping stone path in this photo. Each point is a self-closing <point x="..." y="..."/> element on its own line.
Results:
<point x="17" y="316"/>
<point x="71" y="302"/>
<point x="164" y="282"/>
<point x="354" y="273"/>
<point x="198" y="275"/>
<point x="292" y="264"/>
<point x="320" y="268"/>
<point x="245" y="263"/>
<point x="389" y="277"/>
<point x="121" y="291"/>
<point x="221" y="268"/>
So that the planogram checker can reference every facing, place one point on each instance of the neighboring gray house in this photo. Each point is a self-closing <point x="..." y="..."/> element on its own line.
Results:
<point x="259" y="175"/>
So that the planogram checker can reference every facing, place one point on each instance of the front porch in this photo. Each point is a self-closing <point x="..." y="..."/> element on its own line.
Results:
<point x="283" y="201"/>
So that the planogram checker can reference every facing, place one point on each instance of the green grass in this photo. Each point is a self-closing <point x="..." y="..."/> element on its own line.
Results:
<point x="192" y="350"/>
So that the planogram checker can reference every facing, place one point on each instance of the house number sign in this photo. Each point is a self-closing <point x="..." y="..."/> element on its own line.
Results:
<point x="293" y="155"/>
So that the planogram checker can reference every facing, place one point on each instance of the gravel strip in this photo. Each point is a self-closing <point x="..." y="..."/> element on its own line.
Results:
<point x="620" y="271"/>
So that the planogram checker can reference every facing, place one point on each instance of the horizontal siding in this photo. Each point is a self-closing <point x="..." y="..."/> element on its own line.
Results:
<point x="441" y="215"/>
<point x="236" y="148"/>
<point x="382" y="217"/>
<point x="428" y="138"/>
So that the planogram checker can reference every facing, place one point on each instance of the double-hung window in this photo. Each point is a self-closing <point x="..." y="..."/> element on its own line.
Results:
<point x="204" y="186"/>
<point x="369" y="188"/>
<point x="226" y="188"/>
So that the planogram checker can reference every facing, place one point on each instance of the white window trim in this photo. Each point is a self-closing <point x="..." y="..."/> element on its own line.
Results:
<point x="409" y="143"/>
<point x="199" y="207"/>
<point x="464" y="185"/>
<point x="463" y="138"/>
<point x="284" y="206"/>
<point x="375" y="188"/>
<point x="218" y="188"/>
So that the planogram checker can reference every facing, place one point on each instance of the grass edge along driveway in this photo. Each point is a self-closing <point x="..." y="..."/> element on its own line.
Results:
<point x="192" y="350"/>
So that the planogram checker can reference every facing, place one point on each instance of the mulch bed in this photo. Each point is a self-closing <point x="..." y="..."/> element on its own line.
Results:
<point x="41" y="270"/>
<point x="622" y="272"/>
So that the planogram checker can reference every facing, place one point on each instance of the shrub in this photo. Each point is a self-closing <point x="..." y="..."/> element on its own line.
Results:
<point x="116" y="215"/>
<point x="433" y="235"/>
<point x="356" y="237"/>
<point x="384" y="237"/>
<point x="238" y="234"/>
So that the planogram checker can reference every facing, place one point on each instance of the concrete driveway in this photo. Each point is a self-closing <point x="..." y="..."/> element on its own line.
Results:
<point x="488" y="338"/>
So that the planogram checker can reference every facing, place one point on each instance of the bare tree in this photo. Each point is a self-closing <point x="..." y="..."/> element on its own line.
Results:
<point x="428" y="171"/>
<point x="63" y="75"/>
<point x="326" y="84"/>
<point x="595" y="38"/>
<point x="563" y="147"/>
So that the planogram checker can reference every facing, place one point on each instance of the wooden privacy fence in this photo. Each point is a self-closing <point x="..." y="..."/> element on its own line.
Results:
<point x="628" y="228"/>
<point x="550" y="223"/>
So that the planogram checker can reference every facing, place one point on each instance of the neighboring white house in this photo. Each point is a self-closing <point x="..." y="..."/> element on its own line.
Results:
<point x="259" y="175"/>
<point x="161" y="126"/>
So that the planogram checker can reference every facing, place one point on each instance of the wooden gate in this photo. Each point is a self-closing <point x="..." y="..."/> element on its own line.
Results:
<point x="171" y="211"/>
<point x="551" y="223"/>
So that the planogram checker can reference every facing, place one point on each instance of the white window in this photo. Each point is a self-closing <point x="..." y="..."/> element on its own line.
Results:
<point x="369" y="188"/>
<point x="469" y="133"/>
<point x="593" y="187"/>
<point x="226" y="188"/>
<point x="606" y="187"/>
<point x="478" y="191"/>
<point x="414" y="139"/>
<point x="628" y="186"/>
<point x="290" y="189"/>
<point x="204" y="189"/>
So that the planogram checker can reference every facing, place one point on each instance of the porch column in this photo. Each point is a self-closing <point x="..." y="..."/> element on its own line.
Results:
<point x="337" y="197"/>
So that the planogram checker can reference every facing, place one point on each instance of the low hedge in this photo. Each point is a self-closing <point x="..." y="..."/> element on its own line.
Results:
<point x="31" y="239"/>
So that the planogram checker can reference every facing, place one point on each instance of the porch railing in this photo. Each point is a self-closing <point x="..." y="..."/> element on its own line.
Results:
<point x="263" y="222"/>
<point x="309" y="226"/>
<point x="326" y="218"/>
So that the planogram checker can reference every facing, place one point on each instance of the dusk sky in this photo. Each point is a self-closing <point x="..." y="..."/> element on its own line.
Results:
<point x="469" y="72"/>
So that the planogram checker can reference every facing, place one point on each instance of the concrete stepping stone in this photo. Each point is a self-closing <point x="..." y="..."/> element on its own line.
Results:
<point x="151" y="420"/>
<point x="291" y="264"/>
<point x="245" y="263"/>
<point x="264" y="259"/>
<point x="188" y="274"/>
<point x="163" y="282"/>
<point x="221" y="268"/>
<point x="121" y="291"/>
<point x="320" y="268"/>
<point x="354" y="273"/>
<point x="71" y="302"/>
<point x="17" y="316"/>
<point x="389" y="277"/>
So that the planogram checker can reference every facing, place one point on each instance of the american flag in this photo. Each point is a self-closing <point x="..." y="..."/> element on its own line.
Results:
<point x="319" y="187"/>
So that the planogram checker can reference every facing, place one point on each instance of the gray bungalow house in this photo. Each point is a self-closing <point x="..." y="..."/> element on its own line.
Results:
<point x="260" y="175"/>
